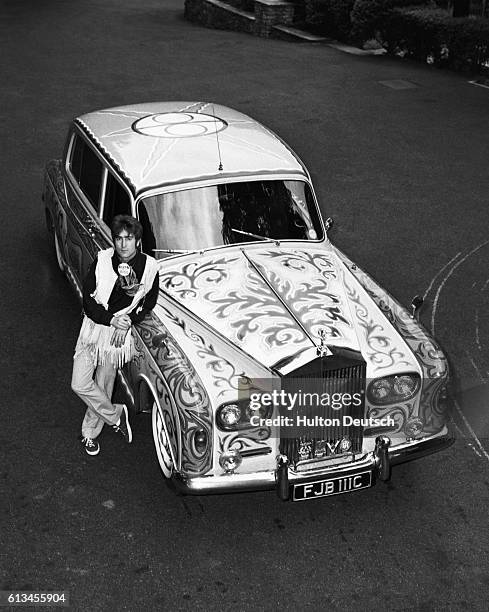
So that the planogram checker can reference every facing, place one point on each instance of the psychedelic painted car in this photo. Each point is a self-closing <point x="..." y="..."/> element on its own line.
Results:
<point x="271" y="360"/>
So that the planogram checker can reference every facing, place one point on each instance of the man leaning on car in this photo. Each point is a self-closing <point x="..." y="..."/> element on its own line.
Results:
<point x="120" y="289"/>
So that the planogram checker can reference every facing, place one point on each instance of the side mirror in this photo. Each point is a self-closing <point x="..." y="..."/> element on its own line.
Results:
<point x="329" y="223"/>
<point x="416" y="304"/>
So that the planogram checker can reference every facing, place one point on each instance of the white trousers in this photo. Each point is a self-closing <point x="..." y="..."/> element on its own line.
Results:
<point x="94" y="385"/>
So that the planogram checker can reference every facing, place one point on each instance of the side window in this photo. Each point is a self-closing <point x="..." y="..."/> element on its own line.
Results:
<point x="117" y="201"/>
<point x="87" y="169"/>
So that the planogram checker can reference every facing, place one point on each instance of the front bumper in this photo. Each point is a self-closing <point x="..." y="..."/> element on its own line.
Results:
<point x="379" y="462"/>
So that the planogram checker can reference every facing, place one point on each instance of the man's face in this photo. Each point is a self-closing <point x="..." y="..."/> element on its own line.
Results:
<point x="125" y="245"/>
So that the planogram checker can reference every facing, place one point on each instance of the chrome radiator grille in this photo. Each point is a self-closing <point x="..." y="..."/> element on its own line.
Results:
<point x="343" y="373"/>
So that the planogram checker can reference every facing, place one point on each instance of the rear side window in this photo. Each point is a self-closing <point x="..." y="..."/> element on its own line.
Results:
<point x="87" y="170"/>
<point x="117" y="200"/>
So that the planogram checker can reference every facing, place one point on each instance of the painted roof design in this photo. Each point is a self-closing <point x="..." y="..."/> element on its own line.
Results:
<point x="162" y="143"/>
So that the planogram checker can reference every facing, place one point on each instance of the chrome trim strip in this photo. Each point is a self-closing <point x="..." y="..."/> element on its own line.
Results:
<point x="255" y="452"/>
<point x="103" y="187"/>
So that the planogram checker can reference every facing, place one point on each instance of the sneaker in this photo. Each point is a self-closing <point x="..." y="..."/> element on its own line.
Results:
<point x="124" y="428"/>
<point x="92" y="447"/>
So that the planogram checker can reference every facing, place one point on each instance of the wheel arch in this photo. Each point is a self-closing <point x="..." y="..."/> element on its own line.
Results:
<point x="144" y="382"/>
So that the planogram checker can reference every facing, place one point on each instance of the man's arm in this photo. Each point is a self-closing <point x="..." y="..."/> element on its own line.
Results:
<point x="148" y="304"/>
<point x="92" y="309"/>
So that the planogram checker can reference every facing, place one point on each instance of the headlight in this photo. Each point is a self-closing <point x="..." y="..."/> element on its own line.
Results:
<point x="230" y="415"/>
<point x="237" y="415"/>
<point x="392" y="389"/>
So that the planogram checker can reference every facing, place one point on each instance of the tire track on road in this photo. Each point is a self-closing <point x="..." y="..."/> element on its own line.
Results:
<point x="478" y="362"/>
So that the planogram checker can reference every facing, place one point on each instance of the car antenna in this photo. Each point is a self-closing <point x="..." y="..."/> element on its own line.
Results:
<point x="220" y="168"/>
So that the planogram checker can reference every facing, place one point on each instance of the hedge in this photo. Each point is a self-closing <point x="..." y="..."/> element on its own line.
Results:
<point x="368" y="16"/>
<point x="405" y="28"/>
<point x="331" y="17"/>
<point x="351" y="19"/>
<point x="433" y="36"/>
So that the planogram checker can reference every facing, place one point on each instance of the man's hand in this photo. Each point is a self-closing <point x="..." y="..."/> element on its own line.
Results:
<point x="122" y="322"/>
<point x="118" y="337"/>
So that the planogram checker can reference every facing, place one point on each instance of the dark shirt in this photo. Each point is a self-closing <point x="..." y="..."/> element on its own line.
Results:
<point x="119" y="298"/>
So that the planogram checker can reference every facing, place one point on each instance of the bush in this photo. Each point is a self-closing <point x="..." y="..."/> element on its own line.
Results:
<point x="433" y="35"/>
<point x="330" y="17"/>
<point x="368" y="16"/>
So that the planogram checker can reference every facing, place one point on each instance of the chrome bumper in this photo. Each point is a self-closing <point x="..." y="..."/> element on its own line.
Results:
<point x="283" y="478"/>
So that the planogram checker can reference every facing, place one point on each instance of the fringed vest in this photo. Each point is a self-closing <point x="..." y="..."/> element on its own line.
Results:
<point x="96" y="337"/>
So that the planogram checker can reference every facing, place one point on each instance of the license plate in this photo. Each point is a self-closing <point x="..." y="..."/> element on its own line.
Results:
<point x="332" y="486"/>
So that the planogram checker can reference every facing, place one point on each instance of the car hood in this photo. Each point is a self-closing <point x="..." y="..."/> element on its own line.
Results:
<point x="275" y="301"/>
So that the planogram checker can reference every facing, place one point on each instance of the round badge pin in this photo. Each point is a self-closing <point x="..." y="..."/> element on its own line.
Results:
<point x="124" y="269"/>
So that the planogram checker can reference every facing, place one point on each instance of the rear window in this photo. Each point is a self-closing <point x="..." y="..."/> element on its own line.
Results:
<point x="87" y="169"/>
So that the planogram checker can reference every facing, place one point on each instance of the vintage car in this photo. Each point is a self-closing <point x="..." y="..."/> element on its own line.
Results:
<point x="271" y="360"/>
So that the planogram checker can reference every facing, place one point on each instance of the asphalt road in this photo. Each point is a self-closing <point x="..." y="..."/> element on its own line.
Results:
<point x="403" y="172"/>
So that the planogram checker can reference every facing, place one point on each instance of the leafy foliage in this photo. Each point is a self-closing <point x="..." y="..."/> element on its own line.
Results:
<point x="330" y="17"/>
<point x="433" y="35"/>
<point x="368" y="16"/>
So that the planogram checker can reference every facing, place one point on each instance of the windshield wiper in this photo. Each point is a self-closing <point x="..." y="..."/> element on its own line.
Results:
<point x="257" y="236"/>
<point x="173" y="251"/>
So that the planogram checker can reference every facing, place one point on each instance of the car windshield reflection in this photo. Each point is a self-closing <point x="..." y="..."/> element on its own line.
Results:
<point x="206" y="217"/>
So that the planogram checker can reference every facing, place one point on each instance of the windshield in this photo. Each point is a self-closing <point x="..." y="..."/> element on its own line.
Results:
<point x="205" y="217"/>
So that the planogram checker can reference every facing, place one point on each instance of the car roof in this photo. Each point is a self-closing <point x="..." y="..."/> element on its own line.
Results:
<point x="164" y="143"/>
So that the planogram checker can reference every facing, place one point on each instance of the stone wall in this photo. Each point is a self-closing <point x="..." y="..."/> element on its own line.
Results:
<point x="234" y="14"/>
<point x="212" y="14"/>
<point x="272" y="12"/>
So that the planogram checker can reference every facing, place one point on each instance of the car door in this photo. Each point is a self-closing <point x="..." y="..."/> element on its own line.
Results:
<point x="85" y="177"/>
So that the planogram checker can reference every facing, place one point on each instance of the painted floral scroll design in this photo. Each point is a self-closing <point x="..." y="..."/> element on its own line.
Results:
<point x="225" y="375"/>
<point x="192" y="277"/>
<point x="311" y="302"/>
<point x="435" y="375"/>
<point x="304" y="261"/>
<point x="399" y="414"/>
<point x="243" y="441"/>
<point x="381" y="354"/>
<point x="427" y="352"/>
<point x="187" y="389"/>
<point x="137" y="363"/>
<point x="257" y="310"/>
